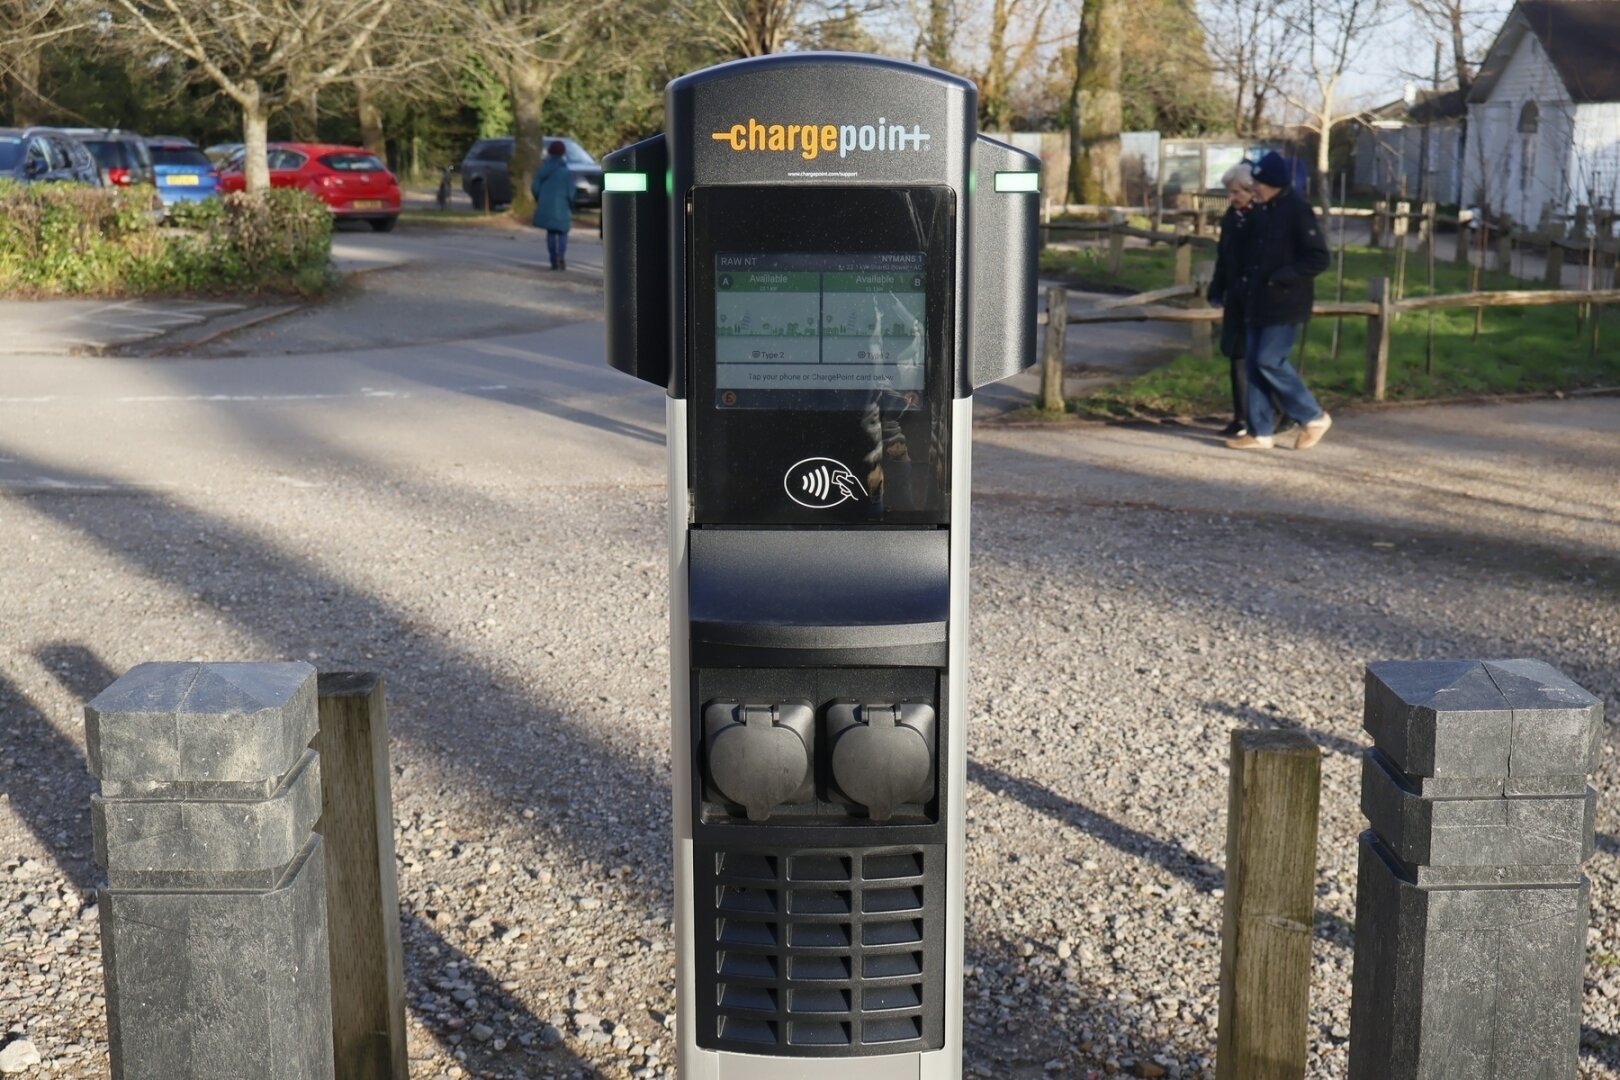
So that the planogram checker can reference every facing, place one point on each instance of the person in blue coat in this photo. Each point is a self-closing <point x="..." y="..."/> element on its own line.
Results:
<point x="553" y="190"/>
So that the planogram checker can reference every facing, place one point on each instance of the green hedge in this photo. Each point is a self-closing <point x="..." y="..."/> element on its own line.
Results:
<point x="67" y="240"/>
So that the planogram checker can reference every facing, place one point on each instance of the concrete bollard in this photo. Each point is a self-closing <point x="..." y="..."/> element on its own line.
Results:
<point x="213" y="918"/>
<point x="1471" y="908"/>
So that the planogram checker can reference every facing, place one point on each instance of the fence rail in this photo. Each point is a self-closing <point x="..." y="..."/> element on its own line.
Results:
<point x="1380" y="310"/>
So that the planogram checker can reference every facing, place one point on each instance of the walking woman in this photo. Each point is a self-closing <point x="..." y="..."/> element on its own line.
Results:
<point x="1284" y="252"/>
<point x="553" y="190"/>
<point x="1226" y="289"/>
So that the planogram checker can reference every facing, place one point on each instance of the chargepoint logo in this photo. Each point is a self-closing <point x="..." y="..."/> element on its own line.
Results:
<point x="810" y="141"/>
<point x="821" y="483"/>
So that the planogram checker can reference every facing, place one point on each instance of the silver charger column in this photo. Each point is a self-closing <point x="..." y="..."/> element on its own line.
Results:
<point x="1471" y="907"/>
<point x="213" y="919"/>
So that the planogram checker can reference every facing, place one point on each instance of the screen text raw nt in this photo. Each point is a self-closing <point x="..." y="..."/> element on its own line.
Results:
<point x="820" y="322"/>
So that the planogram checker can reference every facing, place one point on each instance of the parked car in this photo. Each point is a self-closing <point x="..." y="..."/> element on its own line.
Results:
<point x="184" y="173"/>
<point x="45" y="155"/>
<point x="350" y="180"/>
<point x="221" y="153"/>
<point x="121" y="156"/>
<point x="486" y="179"/>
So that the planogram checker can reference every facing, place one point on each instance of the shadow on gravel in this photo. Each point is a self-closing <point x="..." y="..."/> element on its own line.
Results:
<point x="597" y="794"/>
<point x="1412" y="518"/>
<point x="1197" y="871"/>
<point x="427" y="954"/>
<point x="1200" y="873"/>
<point x="1266" y="721"/>
<point x="1036" y="1017"/>
<point x="50" y="785"/>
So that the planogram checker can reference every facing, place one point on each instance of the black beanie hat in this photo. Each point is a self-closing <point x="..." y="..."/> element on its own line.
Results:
<point x="1272" y="170"/>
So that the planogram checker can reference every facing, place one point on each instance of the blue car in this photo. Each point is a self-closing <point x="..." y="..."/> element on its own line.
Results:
<point x="183" y="172"/>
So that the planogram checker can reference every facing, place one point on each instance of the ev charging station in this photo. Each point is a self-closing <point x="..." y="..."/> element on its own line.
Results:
<point x="819" y="260"/>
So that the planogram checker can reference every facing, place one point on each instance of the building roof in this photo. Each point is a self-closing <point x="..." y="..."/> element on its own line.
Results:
<point x="1581" y="37"/>
<point x="1428" y="105"/>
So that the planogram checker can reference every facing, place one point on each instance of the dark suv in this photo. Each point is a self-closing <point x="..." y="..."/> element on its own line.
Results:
<point x="122" y="157"/>
<point x="35" y="155"/>
<point x="485" y="178"/>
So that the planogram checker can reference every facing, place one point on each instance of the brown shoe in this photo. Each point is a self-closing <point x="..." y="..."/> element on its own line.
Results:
<point x="1251" y="442"/>
<point x="1312" y="433"/>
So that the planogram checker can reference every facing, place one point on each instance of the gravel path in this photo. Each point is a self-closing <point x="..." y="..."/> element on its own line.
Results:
<point x="1138" y="594"/>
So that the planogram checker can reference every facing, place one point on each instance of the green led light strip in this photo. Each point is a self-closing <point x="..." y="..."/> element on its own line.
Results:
<point x="624" y="181"/>
<point x="1018" y="181"/>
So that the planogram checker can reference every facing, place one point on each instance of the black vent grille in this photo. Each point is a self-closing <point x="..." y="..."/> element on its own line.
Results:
<point x="821" y="953"/>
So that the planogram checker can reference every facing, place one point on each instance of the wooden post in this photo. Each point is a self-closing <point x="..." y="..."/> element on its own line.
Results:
<point x="1380" y="222"/>
<point x="1504" y="245"/>
<point x="1271" y="815"/>
<point x="1378" y="339"/>
<point x="1426" y="231"/>
<point x="1202" y="331"/>
<point x="1052" y="355"/>
<point x="1555" y="265"/>
<point x="1116" y="249"/>
<point x="1464" y="241"/>
<point x="1183" y="263"/>
<point x="1403" y="225"/>
<point x="1338" y="323"/>
<point x="362" y="897"/>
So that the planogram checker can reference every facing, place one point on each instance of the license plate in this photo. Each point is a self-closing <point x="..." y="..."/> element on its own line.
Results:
<point x="368" y="204"/>
<point x="183" y="180"/>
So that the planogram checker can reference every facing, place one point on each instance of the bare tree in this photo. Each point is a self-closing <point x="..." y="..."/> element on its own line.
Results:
<point x="1332" y="34"/>
<point x="1007" y="57"/>
<point x="1096" y="105"/>
<point x="1466" y="26"/>
<point x="1255" y="50"/>
<point x="939" y="33"/>
<point x="744" y="27"/>
<point x="27" y="26"/>
<point x="527" y="45"/>
<point x="271" y="55"/>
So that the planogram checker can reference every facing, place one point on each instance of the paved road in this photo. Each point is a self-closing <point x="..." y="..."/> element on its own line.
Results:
<point x="97" y="325"/>
<point x="476" y="510"/>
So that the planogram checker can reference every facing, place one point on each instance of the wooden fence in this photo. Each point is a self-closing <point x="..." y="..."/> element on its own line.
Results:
<point x="1380" y="309"/>
<point x="1386" y="300"/>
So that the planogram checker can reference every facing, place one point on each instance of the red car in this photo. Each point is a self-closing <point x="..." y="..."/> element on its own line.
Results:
<point x="348" y="179"/>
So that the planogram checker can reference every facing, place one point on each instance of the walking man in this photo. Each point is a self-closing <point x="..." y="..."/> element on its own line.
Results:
<point x="1285" y="250"/>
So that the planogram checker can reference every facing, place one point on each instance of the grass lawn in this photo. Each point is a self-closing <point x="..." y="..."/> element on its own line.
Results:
<point x="1518" y="350"/>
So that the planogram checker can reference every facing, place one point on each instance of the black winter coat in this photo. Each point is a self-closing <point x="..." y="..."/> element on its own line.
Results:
<point x="1284" y="251"/>
<point x="1226" y="287"/>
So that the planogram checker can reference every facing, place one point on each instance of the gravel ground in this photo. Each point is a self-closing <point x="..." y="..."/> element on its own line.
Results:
<point x="1137" y="596"/>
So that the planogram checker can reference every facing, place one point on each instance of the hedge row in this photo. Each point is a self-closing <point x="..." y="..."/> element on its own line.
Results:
<point x="67" y="240"/>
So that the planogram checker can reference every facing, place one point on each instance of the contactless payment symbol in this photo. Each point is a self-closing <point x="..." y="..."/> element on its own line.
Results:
<point x="821" y="483"/>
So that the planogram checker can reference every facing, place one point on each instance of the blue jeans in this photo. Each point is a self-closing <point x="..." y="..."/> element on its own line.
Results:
<point x="556" y="246"/>
<point x="1272" y="376"/>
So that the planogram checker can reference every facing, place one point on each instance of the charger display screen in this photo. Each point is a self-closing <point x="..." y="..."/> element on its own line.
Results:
<point x="821" y="322"/>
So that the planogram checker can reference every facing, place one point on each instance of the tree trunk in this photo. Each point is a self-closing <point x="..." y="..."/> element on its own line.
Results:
<point x="1324" y="159"/>
<point x="529" y="88"/>
<point x="994" y="107"/>
<point x="26" y="108"/>
<point x="938" y="40"/>
<point x="1459" y="51"/>
<point x="371" y="121"/>
<point x="255" y="137"/>
<point x="306" y="111"/>
<point x="1098" y="111"/>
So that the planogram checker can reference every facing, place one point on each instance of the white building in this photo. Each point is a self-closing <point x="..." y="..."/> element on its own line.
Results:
<point x="1544" y="112"/>
<point x="1390" y="157"/>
